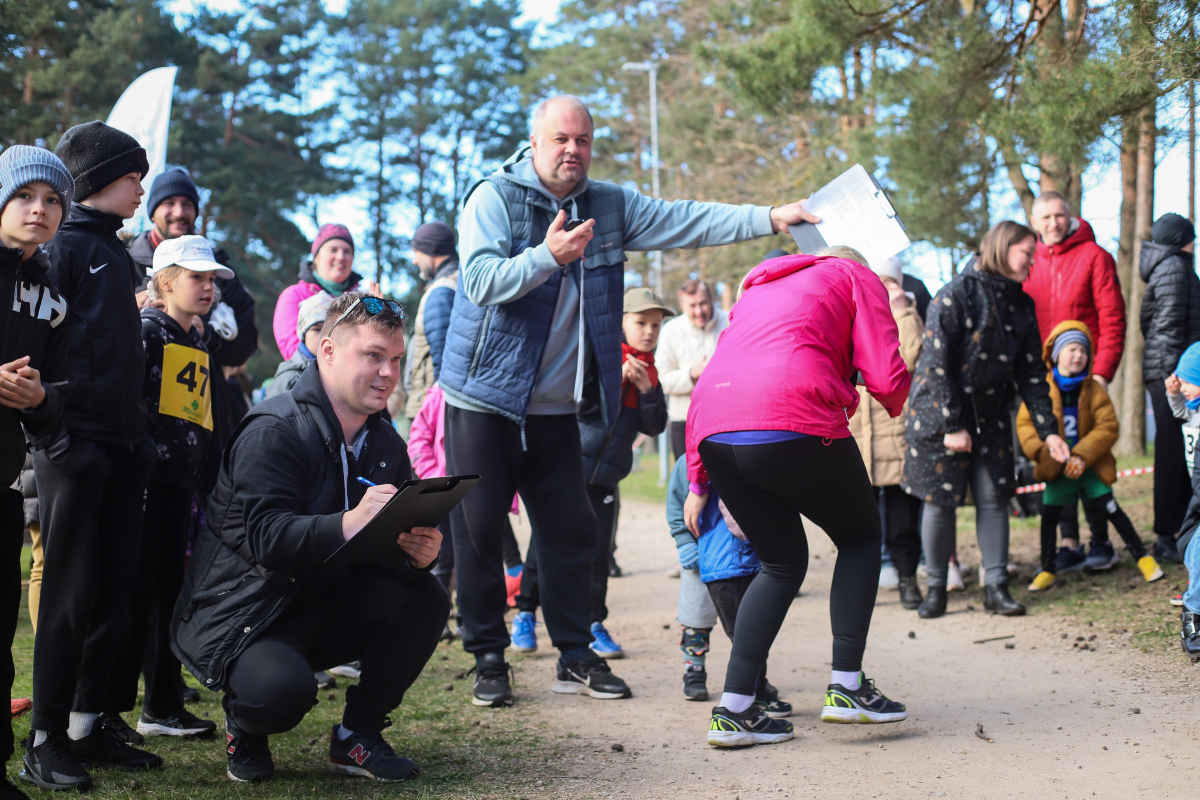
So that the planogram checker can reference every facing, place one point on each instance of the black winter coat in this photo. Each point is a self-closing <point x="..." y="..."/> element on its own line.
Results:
<point x="106" y="364"/>
<point x="608" y="452"/>
<point x="31" y="315"/>
<point x="982" y="350"/>
<point x="1170" y="308"/>
<point x="273" y="518"/>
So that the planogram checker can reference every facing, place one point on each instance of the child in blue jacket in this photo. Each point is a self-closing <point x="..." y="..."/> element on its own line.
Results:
<point x="726" y="565"/>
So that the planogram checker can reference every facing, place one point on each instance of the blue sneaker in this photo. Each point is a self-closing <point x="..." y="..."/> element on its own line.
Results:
<point x="1101" y="557"/>
<point x="1070" y="559"/>
<point x="524" y="637"/>
<point x="604" y="646"/>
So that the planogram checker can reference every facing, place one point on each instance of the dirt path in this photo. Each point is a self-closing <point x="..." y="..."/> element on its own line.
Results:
<point x="1063" y="720"/>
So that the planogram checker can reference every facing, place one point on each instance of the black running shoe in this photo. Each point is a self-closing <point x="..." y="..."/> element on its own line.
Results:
<point x="118" y="727"/>
<point x="369" y="755"/>
<point x="590" y="675"/>
<point x="752" y="726"/>
<point x="493" y="681"/>
<point x="53" y="766"/>
<point x="1165" y="549"/>
<point x="190" y="695"/>
<point x="1189" y="635"/>
<point x="695" y="683"/>
<point x="103" y="746"/>
<point x="325" y="680"/>
<point x="181" y="723"/>
<point x="767" y="698"/>
<point x="865" y="704"/>
<point x="248" y="757"/>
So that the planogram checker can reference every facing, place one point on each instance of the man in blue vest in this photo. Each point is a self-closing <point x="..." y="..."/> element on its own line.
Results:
<point x="538" y="306"/>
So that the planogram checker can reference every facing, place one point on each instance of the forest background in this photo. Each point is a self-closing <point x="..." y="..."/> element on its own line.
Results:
<point x="382" y="113"/>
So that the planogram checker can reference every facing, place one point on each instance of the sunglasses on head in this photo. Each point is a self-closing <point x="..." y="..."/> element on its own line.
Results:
<point x="374" y="306"/>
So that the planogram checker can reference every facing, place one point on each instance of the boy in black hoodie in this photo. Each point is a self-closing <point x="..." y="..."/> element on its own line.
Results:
<point x="35" y="187"/>
<point x="91" y="482"/>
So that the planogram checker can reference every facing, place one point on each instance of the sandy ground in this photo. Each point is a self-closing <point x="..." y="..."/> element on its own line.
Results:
<point x="1108" y="721"/>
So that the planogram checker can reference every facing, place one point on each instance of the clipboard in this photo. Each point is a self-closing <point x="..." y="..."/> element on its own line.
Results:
<point x="855" y="211"/>
<point x="417" y="504"/>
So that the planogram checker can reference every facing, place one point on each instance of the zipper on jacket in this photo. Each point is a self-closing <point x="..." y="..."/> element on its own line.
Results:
<point x="603" y="452"/>
<point x="846" y="411"/>
<point x="477" y="356"/>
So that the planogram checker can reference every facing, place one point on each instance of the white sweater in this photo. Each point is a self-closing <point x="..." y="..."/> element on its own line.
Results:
<point x="680" y="346"/>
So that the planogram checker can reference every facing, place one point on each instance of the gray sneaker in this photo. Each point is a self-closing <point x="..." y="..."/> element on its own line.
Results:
<point x="1101" y="557"/>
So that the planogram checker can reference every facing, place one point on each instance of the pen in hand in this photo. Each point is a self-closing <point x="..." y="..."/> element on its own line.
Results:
<point x="365" y="482"/>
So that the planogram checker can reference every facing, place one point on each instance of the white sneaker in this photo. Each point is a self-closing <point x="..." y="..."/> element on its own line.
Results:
<point x="889" y="578"/>
<point x="348" y="671"/>
<point x="954" y="581"/>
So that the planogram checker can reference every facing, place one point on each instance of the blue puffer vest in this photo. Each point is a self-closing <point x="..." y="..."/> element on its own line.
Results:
<point x="723" y="555"/>
<point x="493" y="353"/>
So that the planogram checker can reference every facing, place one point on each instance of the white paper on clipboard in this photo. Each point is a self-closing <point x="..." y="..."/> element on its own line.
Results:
<point x="856" y="213"/>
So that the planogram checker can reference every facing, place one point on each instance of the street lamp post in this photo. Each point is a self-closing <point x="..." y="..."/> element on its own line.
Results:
<point x="664" y="465"/>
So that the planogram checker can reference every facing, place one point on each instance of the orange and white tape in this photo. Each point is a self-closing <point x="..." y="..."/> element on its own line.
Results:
<point x="1125" y="473"/>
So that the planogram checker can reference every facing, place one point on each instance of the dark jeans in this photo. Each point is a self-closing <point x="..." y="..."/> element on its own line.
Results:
<point x="391" y="626"/>
<point x="12" y="536"/>
<point x="548" y="472"/>
<point x="678" y="431"/>
<point x="766" y="488"/>
<point x="901" y="513"/>
<point x="148" y="650"/>
<point x="1172" y="484"/>
<point x="91" y="503"/>
<point x="606" y="503"/>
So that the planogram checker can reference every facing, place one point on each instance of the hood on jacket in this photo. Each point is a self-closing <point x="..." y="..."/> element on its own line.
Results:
<point x="33" y="270"/>
<point x="164" y="319"/>
<point x="519" y="170"/>
<point x="1059" y="329"/>
<point x="1154" y="254"/>
<point x="93" y="219"/>
<point x="1081" y="233"/>
<point x="776" y="268"/>
<point x="306" y="273"/>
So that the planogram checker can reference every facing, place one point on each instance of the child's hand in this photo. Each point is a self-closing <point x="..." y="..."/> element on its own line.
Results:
<point x="1060" y="451"/>
<point x="21" y="385"/>
<point x="634" y="371"/>
<point x="1074" y="468"/>
<point x="1173" y="385"/>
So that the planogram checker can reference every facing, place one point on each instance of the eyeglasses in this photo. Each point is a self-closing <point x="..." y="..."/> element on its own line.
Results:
<point x="374" y="306"/>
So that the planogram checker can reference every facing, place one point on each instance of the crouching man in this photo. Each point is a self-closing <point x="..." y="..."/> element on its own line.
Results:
<point x="261" y="610"/>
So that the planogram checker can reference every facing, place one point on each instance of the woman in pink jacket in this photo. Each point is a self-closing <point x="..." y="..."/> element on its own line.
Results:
<point x="769" y="427"/>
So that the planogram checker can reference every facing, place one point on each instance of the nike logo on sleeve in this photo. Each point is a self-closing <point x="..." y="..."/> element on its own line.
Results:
<point x="94" y="270"/>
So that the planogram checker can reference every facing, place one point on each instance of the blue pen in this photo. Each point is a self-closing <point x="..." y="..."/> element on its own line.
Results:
<point x="365" y="482"/>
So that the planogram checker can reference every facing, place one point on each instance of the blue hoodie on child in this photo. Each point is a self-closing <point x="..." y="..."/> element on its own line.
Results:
<point x="722" y="555"/>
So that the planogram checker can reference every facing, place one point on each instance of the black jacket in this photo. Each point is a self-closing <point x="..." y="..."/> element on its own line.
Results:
<point x="31" y="316"/>
<point x="608" y="452"/>
<point x="1170" y="308"/>
<point x="273" y="518"/>
<point x="184" y="447"/>
<point x="94" y="272"/>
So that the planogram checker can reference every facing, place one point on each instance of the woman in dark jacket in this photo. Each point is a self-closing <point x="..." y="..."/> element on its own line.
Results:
<point x="1170" y="322"/>
<point x="981" y="351"/>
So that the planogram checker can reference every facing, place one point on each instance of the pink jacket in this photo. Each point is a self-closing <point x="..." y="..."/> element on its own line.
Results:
<point x="287" y="312"/>
<point x="787" y="360"/>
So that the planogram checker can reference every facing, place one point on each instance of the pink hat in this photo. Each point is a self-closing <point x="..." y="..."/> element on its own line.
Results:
<point x="332" y="231"/>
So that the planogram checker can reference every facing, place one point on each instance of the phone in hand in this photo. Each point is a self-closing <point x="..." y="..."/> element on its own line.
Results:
<point x="572" y="224"/>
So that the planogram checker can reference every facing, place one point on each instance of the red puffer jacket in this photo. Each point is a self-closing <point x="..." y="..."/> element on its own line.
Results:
<point x="1077" y="279"/>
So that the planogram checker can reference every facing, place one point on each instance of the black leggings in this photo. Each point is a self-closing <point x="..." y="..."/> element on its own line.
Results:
<point x="767" y="487"/>
<point x="1099" y="513"/>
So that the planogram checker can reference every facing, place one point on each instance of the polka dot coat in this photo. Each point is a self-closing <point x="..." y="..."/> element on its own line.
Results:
<point x="982" y="350"/>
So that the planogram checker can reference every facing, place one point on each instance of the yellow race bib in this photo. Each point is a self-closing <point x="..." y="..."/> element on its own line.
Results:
<point x="186" y="390"/>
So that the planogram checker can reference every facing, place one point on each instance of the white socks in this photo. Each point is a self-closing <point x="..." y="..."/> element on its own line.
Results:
<point x="737" y="703"/>
<point x="80" y="725"/>
<point x="344" y="733"/>
<point x="850" y="680"/>
<point x="39" y="737"/>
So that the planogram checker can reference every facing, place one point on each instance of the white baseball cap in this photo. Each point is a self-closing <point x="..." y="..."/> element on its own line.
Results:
<point x="190" y="252"/>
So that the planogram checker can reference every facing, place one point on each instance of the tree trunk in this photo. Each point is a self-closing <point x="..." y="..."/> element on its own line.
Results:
<point x="1125" y="271"/>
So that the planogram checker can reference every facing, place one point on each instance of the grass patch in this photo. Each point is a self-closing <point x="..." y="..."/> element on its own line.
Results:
<point x="465" y="752"/>
<point x="642" y="482"/>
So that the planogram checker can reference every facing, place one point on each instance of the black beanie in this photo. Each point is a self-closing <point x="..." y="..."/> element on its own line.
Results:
<point x="173" y="182"/>
<point x="434" y="239"/>
<point x="97" y="154"/>
<point x="1173" y="231"/>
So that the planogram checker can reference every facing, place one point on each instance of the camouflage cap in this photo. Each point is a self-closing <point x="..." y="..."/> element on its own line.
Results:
<point x="642" y="299"/>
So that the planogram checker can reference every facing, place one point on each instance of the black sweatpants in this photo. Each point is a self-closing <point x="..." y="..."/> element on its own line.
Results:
<point x="901" y="513"/>
<point x="165" y="529"/>
<point x="1172" y="484"/>
<point x="727" y="595"/>
<point x="91" y="503"/>
<point x="548" y="472"/>
<point x="12" y="536"/>
<point x="678" y="431"/>
<point x="606" y="503"/>
<point x="391" y="626"/>
<point x="1099" y="512"/>
<point x="445" y="568"/>
<point x="767" y="487"/>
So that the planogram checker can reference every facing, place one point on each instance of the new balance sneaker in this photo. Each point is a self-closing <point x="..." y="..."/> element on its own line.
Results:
<point x="1042" y="581"/>
<point x="767" y="698"/>
<point x="351" y="671"/>
<point x="103" y="746"/>
<point x="752" y="726"/>
<point x="247" y="757"/>
<point x="181" y="723"/>
<point x="1101" y="557"/>
<point x="866" y="704"/>
<point x="589" y="675"/>
<point x="1069" y="559"/>
<point x="493" y="681"/>
<point x="603" y="644"/>
<point x="524" y="633"/>
<point x="369" y="755"/>
<point x="1150" y="570"/>
<point x="117" y="726"/>
<point x="695" y="683"/>
<point x="53" y="765"/>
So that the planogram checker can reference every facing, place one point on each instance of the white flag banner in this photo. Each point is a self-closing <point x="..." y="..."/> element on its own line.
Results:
<point x="144" y="112"/>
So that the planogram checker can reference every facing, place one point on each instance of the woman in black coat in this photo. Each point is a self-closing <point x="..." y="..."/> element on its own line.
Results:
<point x="982" y="350"/>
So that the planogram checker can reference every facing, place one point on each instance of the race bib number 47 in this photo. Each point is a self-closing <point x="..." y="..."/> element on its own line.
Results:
<point x="186" y="388"/>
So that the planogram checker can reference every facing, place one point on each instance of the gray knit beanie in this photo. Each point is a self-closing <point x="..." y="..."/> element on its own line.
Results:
<point x="21" y="165"/>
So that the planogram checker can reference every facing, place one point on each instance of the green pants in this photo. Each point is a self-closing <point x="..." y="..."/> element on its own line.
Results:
<point x="1063" y="490"/>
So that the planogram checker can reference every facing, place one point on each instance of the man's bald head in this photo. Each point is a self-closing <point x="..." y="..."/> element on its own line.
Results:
<point x="561" y="138"/>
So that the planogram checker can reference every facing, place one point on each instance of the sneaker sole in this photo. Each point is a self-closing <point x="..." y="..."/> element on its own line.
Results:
<point x="502" y="702"/>
<point x="746" y="738"/>
<point x="1076" y="568"/>
<point x="1158" y="573"/>
<point x="848" y="716"/>
<point x="360" y="772"/>
<point x="152" y="729"/>
<point x="345" y="672"/>
<point x="28" y="775"/>
<point x="1175" y="602"/>
<point x="524" y="650"/>
<point x="1103" y="566"/>
<point x="698" y="697"/>
<point x="236" y="779"/>
<point x="608" y="654"/>
<point x="571" y="687"/>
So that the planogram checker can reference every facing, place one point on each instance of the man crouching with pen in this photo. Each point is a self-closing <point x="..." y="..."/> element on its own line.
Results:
<point x="260" y="610"/>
